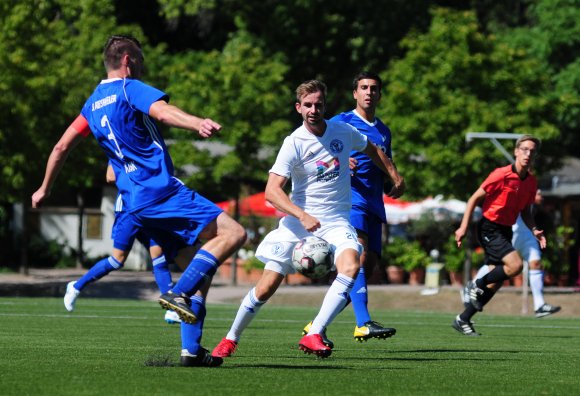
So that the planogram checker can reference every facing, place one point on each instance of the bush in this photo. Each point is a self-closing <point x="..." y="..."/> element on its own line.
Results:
<point x="253" y="263"/>
<point x="48" y="254"/>
<point x="453" y="256"/>
<point x="407" y="254"/>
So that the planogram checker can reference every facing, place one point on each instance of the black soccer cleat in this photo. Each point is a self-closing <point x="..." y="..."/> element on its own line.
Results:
<point x="180" y="304"/>
<point x="546" y="310"/>
<point x="372" y="329"/>
<point x="202" y="359"/>
<point x="465" y="328"/>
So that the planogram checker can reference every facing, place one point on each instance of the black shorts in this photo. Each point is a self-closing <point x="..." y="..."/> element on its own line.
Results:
<point x="495" y="239"/>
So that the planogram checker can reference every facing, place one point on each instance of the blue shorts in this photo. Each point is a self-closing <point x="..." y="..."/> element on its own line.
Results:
<point x="181" y="216"/>
<point x="369" y="224"/>
<point x="125" y="231"/>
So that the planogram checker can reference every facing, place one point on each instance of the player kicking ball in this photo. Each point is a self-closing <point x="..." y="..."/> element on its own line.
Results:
<point x="316" y="157"/>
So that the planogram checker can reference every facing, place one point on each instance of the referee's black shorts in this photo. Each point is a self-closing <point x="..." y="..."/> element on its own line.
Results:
<point x="495" y="239"/>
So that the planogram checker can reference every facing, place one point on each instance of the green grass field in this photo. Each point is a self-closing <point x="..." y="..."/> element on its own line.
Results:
<point x="123" y="347"/>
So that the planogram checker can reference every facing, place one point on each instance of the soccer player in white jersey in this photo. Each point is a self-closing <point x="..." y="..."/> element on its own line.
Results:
<point x="121" y="114"/>
<point x="526" y="244"/>
<point x="367" y="215"/>
<point x="316" y="157"/>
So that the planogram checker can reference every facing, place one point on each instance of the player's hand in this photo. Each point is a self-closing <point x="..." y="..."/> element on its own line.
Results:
<point x="38" y="197"/>
<point x="398" y="189"/>
<point x="208" y="128"/>
<point x="352" y="163"/>
<point x="459" y="234"/>
<point x="310" y="223"/>
<point x="539" y="234"/>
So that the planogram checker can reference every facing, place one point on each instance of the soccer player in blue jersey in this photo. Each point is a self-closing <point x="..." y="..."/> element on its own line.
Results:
<point x="368" y="211"/>
<point x="121" y="114"/>
<point x="124" y="234"/>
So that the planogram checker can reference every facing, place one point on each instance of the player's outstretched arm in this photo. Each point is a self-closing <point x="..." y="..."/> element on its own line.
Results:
<point x="173" y="116"/>
<point x="56" y="160"/>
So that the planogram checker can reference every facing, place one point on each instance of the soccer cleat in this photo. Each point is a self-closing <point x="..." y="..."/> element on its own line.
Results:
<point x="225" y="348"/>
<point x="465" y="328"/>
<point x="171" y="317"/>
<point x="313" y="344"/>
<point x="325" y="339"/>
<point x="202" y="359"/>
<point x="474" y="293"/>
<point x="546" y="310"/>
<point x="70" y="296"/>
<point x="180" y="304"/>
<point x="372" y="329"/>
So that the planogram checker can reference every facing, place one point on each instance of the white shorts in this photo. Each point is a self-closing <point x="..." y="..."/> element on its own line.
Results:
<point x="526" y="244"/>
<point x="275" y="251"/>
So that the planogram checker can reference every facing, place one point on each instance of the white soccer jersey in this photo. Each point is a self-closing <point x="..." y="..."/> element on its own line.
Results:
<point x="319" y="168"/>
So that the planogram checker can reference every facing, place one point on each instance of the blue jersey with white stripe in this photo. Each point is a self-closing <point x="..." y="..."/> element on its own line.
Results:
<point x="368" y="179"/>
<point x="117" y="113"/>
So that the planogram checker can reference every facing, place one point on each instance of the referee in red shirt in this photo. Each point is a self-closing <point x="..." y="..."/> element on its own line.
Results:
<point x="507" y="192"/>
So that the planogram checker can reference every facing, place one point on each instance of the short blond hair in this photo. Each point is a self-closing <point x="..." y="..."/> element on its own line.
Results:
<point x="310" y="87"/>
<point x="530" y="138"/>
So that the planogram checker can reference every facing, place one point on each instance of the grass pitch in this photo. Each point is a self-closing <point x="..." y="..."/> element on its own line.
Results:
<point x="123" y="347"/>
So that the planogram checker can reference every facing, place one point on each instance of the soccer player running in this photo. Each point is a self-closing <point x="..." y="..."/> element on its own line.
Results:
<point x="506" y="193"/>
<point x="124" y="233"/>
<point x="120" y="113"/>
<point x="367" y="214"/>
<point x="316" y="157"/>
<point x="526" y="244"/>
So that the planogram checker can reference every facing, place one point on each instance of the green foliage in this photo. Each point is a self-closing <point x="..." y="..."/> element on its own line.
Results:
<point x="49" y="254"/>
<point x="453" y="256"/>
<point x="431" y="230"/>
<point x="242" y="89"/>
<point x="407" y="254"/>
<point x="253" y="263"/>
<point x="452" y="80"/>
<point x="555" y="254"/>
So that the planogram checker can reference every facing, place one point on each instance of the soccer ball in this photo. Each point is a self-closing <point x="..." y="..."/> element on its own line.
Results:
<point x="313" y="257"/>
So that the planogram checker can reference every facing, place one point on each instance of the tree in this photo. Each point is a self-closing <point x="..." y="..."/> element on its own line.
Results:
<point x="452" y="80"/>
<point x="245" y="91"/>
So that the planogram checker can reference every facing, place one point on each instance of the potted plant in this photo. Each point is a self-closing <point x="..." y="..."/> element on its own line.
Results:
<point x="454" y="259"/>
<point x="408" y="255"/>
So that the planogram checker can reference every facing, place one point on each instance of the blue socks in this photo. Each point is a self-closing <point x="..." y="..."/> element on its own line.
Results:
<point x="202" y="267"/>
<point x="162" y="274"/>
<point x="97" y="271"/>
<point x="191" y="333"/>
<point x="360" y="298"/>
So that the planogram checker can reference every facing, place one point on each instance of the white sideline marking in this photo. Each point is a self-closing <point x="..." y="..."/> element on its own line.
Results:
<point x="390" y="323"/>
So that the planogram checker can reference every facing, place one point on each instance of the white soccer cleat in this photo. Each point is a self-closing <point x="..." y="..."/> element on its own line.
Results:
<point x="70" y="296"/>
<point x="172" y="317"/>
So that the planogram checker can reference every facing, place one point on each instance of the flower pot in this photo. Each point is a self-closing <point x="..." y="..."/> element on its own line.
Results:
<point x="395" y="274"/>
<point x="456" y="278"/>
<point x="417" y="276"/>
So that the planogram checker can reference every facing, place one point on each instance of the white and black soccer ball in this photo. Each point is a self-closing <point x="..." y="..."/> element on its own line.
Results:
<point x="313" y="257"/>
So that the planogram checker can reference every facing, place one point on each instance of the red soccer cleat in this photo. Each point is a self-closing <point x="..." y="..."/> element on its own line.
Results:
<point x="313" y="344"/>
<point x="225" y="348"/>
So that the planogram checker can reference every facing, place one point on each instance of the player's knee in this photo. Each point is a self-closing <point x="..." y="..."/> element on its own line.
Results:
<point x="237" y="236"/>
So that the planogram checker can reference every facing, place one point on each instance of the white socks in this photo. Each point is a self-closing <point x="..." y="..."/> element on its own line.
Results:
<point x="334" y="301"/>
<point x="537" y="287"/>
<point x="246" y="313"/>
